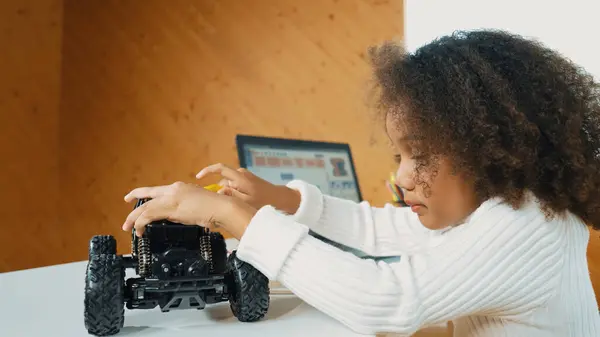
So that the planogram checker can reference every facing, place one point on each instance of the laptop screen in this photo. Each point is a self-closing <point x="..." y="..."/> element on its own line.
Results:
<point x="329" y="166"/>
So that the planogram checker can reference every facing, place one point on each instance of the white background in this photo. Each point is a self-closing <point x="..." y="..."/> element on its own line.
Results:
<point x="571" y="27"/>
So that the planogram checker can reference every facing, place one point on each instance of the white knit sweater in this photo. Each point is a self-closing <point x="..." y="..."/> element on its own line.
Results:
<point x="501" y="273"/>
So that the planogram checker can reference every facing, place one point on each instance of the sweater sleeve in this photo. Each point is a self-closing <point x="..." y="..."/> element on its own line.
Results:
<point x="501" y="262"/>
<point x="376" y="231"/>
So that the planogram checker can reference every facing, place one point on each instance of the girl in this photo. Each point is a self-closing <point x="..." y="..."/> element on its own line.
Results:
<point x="497" y="141"/>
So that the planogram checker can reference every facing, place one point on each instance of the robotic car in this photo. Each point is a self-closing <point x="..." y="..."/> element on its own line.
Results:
<point x="179" y="267"/>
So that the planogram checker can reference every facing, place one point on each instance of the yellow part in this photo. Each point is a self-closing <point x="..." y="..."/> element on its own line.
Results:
<point x="213" y="187"/>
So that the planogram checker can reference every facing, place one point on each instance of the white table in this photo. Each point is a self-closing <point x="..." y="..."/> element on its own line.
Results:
<point x="48" y="302"/>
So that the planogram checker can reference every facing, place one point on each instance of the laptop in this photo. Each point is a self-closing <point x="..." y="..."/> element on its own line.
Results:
<point x="327" y="165"/>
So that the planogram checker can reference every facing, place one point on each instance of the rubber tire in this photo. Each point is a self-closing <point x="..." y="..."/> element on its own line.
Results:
<point x="102" y="244"/>
<point x="249" y="293"/>
<point x="219" y="252"/>
<point x="104" y="304"/>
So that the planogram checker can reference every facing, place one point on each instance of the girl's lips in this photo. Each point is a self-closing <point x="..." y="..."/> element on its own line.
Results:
<point x="412" y="203"/>
<point x="416" y="208"/>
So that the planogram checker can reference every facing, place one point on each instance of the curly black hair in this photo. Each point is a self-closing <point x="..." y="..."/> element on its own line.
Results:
<point x="507" y="111"/>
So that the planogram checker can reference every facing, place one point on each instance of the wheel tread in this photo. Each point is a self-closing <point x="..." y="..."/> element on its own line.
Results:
<point x="103" y="304"/>
<point x="102" y="244"/>
<point x="249" y="300"/>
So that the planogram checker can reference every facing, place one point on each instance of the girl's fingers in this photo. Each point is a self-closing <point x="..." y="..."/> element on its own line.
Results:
<point x="236" y="177"/>
<point x="158" y="210"/>
<point x="232" y="192"/>
<point x="132" y="217"/>
<point x="146" y="193"/>
<point x="219" y="168"/>
<point x="230" y="183"/>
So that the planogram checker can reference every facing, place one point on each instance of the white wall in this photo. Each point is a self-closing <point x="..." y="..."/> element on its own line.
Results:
<point x="570" y="26"/>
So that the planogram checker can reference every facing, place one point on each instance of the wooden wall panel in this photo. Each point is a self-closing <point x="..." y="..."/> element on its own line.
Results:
<point x="593" y="255"/>
<point x="155" y="90"/>
<point x="30" y="34"/>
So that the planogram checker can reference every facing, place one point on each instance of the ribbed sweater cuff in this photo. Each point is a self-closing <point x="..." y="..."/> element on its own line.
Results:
<point x="269" y="239"/>
<point x="311" y="202"/>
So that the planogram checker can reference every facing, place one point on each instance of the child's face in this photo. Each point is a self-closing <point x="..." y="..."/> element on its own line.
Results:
<point x="450" y="198"/>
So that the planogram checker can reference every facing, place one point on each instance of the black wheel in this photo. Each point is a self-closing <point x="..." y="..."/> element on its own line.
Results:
<point x="249" y="293"/>
<point x="104" y="307"/>
<point x="219" y="252"/>
<point x="102" y="244"/>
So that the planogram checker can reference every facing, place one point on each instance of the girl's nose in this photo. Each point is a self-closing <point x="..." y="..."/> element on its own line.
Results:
<point x="405" y="177"/>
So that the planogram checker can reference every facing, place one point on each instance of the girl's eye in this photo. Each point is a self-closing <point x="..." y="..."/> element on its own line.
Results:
<point x="397" y="158"/>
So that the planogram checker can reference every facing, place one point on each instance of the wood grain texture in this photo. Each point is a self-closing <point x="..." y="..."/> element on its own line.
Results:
<point x="593" y="257"/>
<point x="30" y="33"/>
<point x="153" y="91"/>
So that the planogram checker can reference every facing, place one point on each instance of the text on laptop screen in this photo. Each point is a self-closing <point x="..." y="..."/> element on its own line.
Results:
<point x="329" y="169"/>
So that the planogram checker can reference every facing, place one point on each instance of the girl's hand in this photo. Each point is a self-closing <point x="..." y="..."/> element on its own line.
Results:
<point x="253" y="190"/>
<point x="188" y="204"/>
